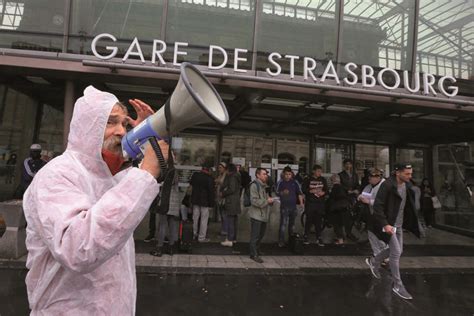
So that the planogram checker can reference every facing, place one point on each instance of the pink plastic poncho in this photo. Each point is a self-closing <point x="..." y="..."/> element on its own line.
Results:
<point x="81" y="254"/>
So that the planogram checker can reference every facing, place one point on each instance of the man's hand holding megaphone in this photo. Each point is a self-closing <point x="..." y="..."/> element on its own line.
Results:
<point x="150" y="162"/>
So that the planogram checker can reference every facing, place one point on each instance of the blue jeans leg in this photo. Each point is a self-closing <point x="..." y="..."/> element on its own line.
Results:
<point x="284" y="212"/>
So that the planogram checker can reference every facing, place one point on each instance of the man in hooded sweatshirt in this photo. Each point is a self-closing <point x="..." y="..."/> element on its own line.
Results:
<point x="81" y="213"/>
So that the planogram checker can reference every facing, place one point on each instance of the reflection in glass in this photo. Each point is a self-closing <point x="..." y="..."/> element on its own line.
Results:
<point x="17" y="119"/>
<point x="125" y="19"/>
<point x="32" y="25"/>
<point x="378" y="33"/>
<point x="445" y="38"/>
<point x="454" y="181"/>
<point x="330" y="156"/>
<point x="231" y="27"/>
<point x="300" y="28"/>
<point x="195" y="150"/>
<point x="371" y="156"/>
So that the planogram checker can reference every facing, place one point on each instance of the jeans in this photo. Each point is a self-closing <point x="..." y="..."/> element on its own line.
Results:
<point x="287" y="218"/>
<point x="203" y="213"/>
<point x="394" y="251"/>
<point x="376" y="244"/>
<point x="168" y="224"/>
<point x="229" y="226"/>
<point x="257" y="231"/>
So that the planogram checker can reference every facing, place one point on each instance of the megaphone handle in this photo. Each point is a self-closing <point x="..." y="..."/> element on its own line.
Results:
<point x="161" y="159"/>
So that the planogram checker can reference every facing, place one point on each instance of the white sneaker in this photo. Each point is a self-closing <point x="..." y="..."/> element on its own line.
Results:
<point x="227" y="243"/>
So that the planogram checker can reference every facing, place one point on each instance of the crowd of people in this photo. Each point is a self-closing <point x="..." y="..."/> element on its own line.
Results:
<point x="83" y="207"/>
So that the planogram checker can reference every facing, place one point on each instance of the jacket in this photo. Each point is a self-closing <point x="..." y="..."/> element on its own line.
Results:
<point x="386" y="207"/>
<point x="259" y="208"/>
<point x="81" y="218"/>
<point x="349" y="183"/>
<point x="231" y="193"/>
<point x="202" y="189"/>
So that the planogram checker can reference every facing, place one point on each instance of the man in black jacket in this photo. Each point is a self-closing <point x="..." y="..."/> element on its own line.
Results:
<point x="394" y="210"/>
<point x="202" y="198"/>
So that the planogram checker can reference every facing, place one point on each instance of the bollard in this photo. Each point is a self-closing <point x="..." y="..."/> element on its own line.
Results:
<point x="12" y="243"/>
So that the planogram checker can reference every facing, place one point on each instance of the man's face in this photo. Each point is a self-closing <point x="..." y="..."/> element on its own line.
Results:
<point x="405" y="175"/>
<point x="114" y="131"/>
<point x="317" y="173"/>
<point x="287" y="175"/>
<point x="262" y="176"/>
<point x="348" y="166"/>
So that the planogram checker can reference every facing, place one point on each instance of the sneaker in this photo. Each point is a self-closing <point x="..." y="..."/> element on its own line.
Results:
<point x="305" y="241"/>
<point x="227" y="243"/>
<point x="339" y="242"/>
<point x="149" y="238"/>
<point x="373" y="269"/>
<point x="256" y="259"/>
<point x="402" y="292"/>
<point x="281" y="244"/>
<point x="320" y="243"/>
<point x="158" y="252"/>
<point x="204" y="240"/>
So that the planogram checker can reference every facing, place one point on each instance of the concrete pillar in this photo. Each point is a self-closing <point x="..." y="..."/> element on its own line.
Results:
<point x="69" y="99"/>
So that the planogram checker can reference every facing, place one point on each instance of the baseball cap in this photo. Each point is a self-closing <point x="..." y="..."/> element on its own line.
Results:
<point x="402" y="166"/>
<point x="35" y="147"/>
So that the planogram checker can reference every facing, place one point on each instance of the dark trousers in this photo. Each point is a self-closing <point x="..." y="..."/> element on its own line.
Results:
<point x="428" y="211"/>
<point x="342" y="219"/>
<point x="257" y="231"/>
<point x="314" y="216"/>
<point x="152" y="224"/>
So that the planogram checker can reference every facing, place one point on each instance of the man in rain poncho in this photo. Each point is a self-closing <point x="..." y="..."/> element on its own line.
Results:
<point x="82" y="212"/>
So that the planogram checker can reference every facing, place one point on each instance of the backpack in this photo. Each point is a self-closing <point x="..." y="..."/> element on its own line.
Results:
<point x="247" y="200"/>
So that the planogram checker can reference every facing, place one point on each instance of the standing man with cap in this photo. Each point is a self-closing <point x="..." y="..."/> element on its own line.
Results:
<point x="394" y="210"/>
<point x="31" y="166"/>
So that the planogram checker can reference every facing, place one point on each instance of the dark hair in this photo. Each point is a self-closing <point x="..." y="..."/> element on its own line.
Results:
<point x="259" y="170"/>
<point x="347" y="160"/>
<point x="316" y="167"/>
<point x="287" y="169"/>
<point x="231" y="168"/>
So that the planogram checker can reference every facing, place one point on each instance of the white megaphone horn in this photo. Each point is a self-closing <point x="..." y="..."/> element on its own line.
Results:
<point x="194" y="101"/>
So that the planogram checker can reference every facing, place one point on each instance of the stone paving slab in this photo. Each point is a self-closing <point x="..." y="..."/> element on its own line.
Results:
<point x="204" y="264"/>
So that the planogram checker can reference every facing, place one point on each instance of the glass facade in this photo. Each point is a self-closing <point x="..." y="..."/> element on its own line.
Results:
<point x="376" y="33"/>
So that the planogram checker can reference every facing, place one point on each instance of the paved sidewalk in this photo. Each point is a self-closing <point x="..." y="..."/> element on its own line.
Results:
<point x="232" y="264"/>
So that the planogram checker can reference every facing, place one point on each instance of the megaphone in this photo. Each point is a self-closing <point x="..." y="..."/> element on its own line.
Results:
<point x="194" y="101"/>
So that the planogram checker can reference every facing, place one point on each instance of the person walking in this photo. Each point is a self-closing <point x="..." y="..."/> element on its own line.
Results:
<point x="394" y="210"/>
